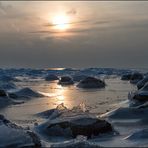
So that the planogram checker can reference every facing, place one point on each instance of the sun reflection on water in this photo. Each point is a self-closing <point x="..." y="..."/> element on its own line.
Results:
<point x="61" y="99"/>
<point x="60" y="95"/>
<point x="56" y="94"/>
<point x="63" y="95"/>
<point x="55" y="68"/>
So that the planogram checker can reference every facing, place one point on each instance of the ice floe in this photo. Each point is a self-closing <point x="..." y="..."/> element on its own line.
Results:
<point x="79" y="142"/>
<point x="91" y="82"/>
<point x="51" y="77"/>
<point x="126" y="77"/>
<point x="12" y="135"/>
<point x="7" y="85"/>
<point x="141" y="94"/>
<point x="65" y="80"/>
<point x="136" y="77"/>
<point x="141" y="83"/>
<point x="71" y="123"/>
<point x="25" y="93"/>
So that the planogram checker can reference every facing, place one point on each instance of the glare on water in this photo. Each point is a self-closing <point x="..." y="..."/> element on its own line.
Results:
<point x="98" y="101"/>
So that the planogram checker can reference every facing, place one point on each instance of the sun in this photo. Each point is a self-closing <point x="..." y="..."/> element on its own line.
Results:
<point x="61" y="22"/>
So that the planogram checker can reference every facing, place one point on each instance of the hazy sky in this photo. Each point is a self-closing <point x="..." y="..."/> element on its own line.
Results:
<point x="98" y="34"/>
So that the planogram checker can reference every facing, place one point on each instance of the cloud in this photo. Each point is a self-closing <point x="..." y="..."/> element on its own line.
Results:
<point x="2" y="9"/>
<point x="80" y="29"/>
<point x="72" y="12"/>
<point x="58" y="32"/>
<point x="90" y="21"/>
<point x="71" y="23"/>
<point x="84" y="26"/>
<point x="9" y="11"/>
<point x="99" y="39"/>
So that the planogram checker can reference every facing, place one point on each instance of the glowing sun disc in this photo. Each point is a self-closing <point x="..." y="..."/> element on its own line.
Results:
<point x="61" y="22"/>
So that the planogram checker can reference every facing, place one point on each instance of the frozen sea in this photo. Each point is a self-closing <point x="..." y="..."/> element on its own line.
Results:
<point x="110" y="102"/>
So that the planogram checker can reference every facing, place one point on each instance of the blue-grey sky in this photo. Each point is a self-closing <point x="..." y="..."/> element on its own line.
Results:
<point x="73" y="34"/>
